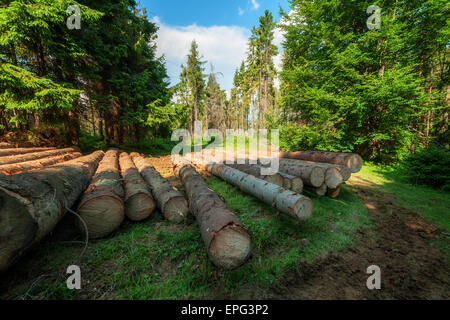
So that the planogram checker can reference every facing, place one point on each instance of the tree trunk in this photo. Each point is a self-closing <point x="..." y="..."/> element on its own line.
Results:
<point x="255" y="171"/>
<point x="32" y="203"/>
<point x="350" y="160"/>
<point x="16" y="151"/>
<point x="139" y="203"/>
<point x="344" y="171"/>
<point x="227" y="241"/>
<point x="14" y="168"/>
<point x="168" y="199"/>
<point x="291" y="182"/>
<point x="288" y="202"/>
<point x="6" y="145"/>
<point x="101" y="206"/>
<point x="35" y="156"/>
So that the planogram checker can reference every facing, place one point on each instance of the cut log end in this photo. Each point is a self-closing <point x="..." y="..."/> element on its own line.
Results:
<point x="230" y="248"/>
<point x="103" y="216"/>
<point x="275" y="179"/>
<point x="139" y="207"/>
<point x="355" y="163"/>
<point x="297" y="185"/>
<point x="176" y="209"/>
<point x="334" y="193"/>
<point x="303" y="209"/>
<point x="322" y="190"/>
<point x="17" y="226"/>
<point x="317" y="177"/>
<point x="333" y="178"/>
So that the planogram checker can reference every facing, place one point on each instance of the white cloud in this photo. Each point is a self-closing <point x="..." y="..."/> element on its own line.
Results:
<point x="255" y="5"/>
<point x="223" y="46"/>
<point x="241" y="11"/>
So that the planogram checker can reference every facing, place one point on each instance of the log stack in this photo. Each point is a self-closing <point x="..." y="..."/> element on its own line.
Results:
<point x="32" y="203"/>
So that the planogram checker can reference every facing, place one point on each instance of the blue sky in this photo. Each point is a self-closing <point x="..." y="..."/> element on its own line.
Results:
<point x="221" y="29"/>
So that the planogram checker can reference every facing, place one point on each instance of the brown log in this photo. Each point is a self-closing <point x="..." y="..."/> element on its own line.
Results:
<point x="291" y="182"/>
<point x="15" y="151"/>
<point x="297" y="206"/>
<point x="32" y="203"/>
<point x="6" y="145"/>
<point x="15" y="168"/>
<point x="168" y="199"/>
<point x="227" y="241"/>
<point x="139" y="203"/>
<point x="36" y="155"/>
<point x="351" y="160"/>
<point x="334" y="193"/>
<point x="320" y="191"/>
<point x="343" y="170"/>
<point x="101" y="206"/>
<point x="313" y="176"/>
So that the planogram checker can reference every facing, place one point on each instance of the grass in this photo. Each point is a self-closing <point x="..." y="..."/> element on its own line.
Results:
<point x="432" y="204"/>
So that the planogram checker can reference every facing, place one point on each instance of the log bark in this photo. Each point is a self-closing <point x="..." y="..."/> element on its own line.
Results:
<point x="15" y="151"/>
<point x="36" y="155"/>
<point x="168" y="199"/>
<point x="227" y="241"/>
<point x="15" y="168"/>
<point x="32" y="203"/>
<point x="286" y="201"/>
<point x="6" y="145"/>
<point x="313" y="176"/>
<point x="101" y="206"/>
<point x="350" y="160"/>
<point x="139" y="203"/>
<point x="255" y="171"/>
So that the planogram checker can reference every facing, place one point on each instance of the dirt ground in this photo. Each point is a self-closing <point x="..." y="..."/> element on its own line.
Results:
<point x="399" y="243"/>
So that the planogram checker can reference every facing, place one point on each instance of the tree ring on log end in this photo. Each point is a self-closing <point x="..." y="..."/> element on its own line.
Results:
<point x="139" y="207"/>
<point x="176" y="209"/>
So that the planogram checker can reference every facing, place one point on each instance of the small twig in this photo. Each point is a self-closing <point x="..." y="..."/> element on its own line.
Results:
<point x="85" y="229"/>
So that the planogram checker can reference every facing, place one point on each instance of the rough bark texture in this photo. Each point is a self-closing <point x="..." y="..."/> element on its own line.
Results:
<point x="32" y="203"/>
<point x="101" y="206"/>
<point x="139" y="203"/>
<point x="168" y="199"/>
<point x="227" y="241"/>
<point x="15" y="168"/>
<point x="351" y="160"/>
<point x="255" y="171"/>
<point x="286" y="201"/>
<point x="313" y="176"/>
<point x="36" y="155"/>
<point x="15" y="151"/>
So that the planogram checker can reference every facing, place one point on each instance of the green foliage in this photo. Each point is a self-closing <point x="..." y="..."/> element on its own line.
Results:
<point x="153" y="146"/>
<point x="90" y="143"/>
<point x="430" y="166"/>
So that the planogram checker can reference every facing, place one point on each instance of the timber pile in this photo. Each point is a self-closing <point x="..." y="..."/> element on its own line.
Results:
<point x="101" y="206"/>
<point x="32" y="203"/>
<point x="139" y="203"/>
<point x="15" y="168"/>
<point x="16" y="151"/>
<point x="6" y="145"/>
<point x="227" y="241"/>
<point x="36" y="155"/>
<point x="351" y="160"/>
<point x="168" y="199"/>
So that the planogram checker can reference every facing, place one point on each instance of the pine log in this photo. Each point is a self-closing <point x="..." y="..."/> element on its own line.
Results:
<point x="291" y="182"/>
<point x="6" y="145"/>
<point x="313" y="176"/>
<point x="168" y="199"/>
<point x="334" y="193"/>
<point x="322" y="190"/>
<point x="343" y="170"/>
<point x="139" y="203"/>
<point x="32" y="203"/>
<point x="15" y="168"/>
<point x="255" y="170"/>
<point x="351" y="160"/>
<point x="36" y="155"/>
<point x="15" y="151"/>
<point x="286" y="201"/>
<point x="101" y="206"/>
<point x="227" y="241"/>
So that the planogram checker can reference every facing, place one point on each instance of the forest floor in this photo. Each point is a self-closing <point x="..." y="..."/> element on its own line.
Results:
<point x="377" y="220"/>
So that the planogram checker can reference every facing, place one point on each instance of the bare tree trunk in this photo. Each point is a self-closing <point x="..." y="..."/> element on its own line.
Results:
<point x="32" y="203"/>
<point x="34" y="156"/>
<point x="351" y="160"/>
<point x="17" y="151"/>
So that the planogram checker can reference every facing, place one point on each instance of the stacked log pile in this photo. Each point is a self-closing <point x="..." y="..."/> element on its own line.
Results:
<point x="32" y="203"/>
<point x="16" y="151"/>
<point x="35" y="155"/>
<point x="227" y="241"/>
